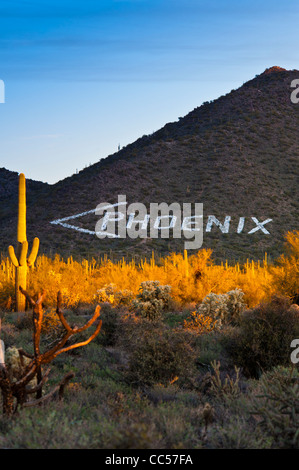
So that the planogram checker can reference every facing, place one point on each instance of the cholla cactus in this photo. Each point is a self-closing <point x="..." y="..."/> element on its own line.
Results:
<point x="223" y="308"/>
<point x="235" y="303"/>
<point x="106" y="294"/>
<point x="277" y="406"/>
<point x="152" y="299"/>
<point x="110" y="294"/>
<point x="16" y="365"/>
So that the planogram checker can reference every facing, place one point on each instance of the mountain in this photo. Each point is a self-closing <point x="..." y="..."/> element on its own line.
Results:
<point x="238" y="155"/>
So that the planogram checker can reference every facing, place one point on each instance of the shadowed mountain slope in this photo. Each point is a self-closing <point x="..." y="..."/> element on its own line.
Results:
<point x="238" y="155"/>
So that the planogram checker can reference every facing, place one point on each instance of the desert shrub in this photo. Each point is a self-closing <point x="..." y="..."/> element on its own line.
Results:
<point x="200" y="323"/>
<point x="191" y="279"/>
<point x="9" y="334"/>
<point x="156" y="353"/>
<point x="152" y="299"/>
<point x="111" y="323"/>
<point x="70" y="297"/>
<point x="160" y="393"/>
<point x="77" y="282"/>
<point x="277" y="405"/>
<point x="51" y="323"/>
<point x="224" y="387"/>
<point x="7" y="294"/>
<point x="236" y="433"/>
<point x="263" y="338"/>
<point x="51" y="329"/>
<point x="124" y="297"/>
<point x="23" y="321"/>
<point x="223" y="308"/>
<point x="177" y="424"/>
<point x="210" y="347"/>
<point x="134" y="436"/>
<point x="110" y="294"/>
<point x="286" y="273"/>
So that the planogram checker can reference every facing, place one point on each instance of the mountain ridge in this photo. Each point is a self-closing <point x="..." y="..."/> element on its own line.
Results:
<point x="237" y="154"/>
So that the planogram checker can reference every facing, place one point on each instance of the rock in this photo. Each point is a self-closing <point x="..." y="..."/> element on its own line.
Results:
<point x="294" y="308"/>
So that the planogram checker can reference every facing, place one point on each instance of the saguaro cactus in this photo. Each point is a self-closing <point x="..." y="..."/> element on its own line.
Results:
<point x="20" y="259"/>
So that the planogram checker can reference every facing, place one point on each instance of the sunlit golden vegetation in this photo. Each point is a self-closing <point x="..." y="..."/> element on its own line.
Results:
<point x="191" y="277"/>
<point x="200" y="351"/>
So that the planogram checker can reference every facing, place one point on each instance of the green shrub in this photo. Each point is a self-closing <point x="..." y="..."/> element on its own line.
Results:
<point x="237" y="434"/>
<point x="9" y="334"/>
<point x="286" y="273"/>
<point x="110" y="325"/>
<point x="156" y="353"/>
<point x="263" y="339"/>
<point x="278" y="406"/>
<point x="51" y="324"/>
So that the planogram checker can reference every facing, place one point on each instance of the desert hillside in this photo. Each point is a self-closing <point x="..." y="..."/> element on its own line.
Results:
<point x="238" y="155"/>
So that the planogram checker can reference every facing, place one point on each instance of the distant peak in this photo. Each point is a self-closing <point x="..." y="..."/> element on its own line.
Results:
<point x="275" y="68"/>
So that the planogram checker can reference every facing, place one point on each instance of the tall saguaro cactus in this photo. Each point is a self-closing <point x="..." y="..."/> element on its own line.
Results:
<point x="20" y="259"/>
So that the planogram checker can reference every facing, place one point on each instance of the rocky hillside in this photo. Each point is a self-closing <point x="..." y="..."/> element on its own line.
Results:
<point x="238" y="155"/>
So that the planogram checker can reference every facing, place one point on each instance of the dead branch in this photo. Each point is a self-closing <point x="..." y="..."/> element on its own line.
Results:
<point x="19" y="389"/>
<point x="41" y="383"/>
<point x="60" y="388"/>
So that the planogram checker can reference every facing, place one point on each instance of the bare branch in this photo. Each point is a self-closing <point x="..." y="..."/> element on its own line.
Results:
<point x="63" y="321"/>
<point x="41" y="297"/>
<point x="64" y="382"/>
<point x="32" y="367"/>
<point x="58" y="349"/>
<point x="90" y="322"/>
<point x="24" y="353"/>
<point x="40" y="384"/>
<point x="20" y="390"/>
<point x="59" y="301"/>
<point x="30" y="300"/>
<point x="48" y="355"/>
<point x="83" y="343"/>
<point x="59" y="388"/>
<point x="60" y="314"/>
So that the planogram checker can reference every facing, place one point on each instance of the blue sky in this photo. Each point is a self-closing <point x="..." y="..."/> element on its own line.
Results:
<point x="82" y="77"/>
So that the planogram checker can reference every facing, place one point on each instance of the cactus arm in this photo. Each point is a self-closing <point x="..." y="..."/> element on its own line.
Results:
<point x="12" y="256"/>
<point x="23" y="253"/>
<point x="22" y="209"/>
<point x="34" y="251"/>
